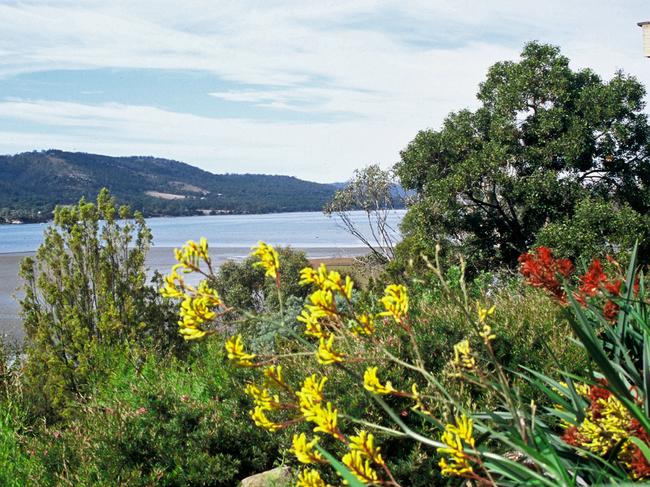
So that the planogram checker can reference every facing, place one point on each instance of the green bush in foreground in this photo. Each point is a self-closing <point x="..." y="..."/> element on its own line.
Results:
<point x="17" y="467"/>
<point x="493" y="408"/>
<point x="85" y="290"/>
<point x="173" y="423"/>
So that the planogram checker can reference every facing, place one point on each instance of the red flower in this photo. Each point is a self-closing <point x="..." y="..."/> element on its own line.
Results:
<point x="614" y="288"/>
<point x="596" y="393"/>
<point x="572" y="437"/>
<point x="541" y="269"/>
<point x="639" y="464"/>
<point x="610" y="310"/>
<point x="593" y="279"/>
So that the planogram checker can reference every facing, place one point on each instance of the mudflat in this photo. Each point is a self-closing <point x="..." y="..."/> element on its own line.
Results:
<point x="158" y="259"/>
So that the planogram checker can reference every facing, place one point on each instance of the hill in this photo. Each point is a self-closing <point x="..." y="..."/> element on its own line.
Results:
<point x="33" y="183"/>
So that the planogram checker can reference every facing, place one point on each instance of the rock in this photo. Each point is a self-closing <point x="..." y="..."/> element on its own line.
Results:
<point x="277" y="477"/>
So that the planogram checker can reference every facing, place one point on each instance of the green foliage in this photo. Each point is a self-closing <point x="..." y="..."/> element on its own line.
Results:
<point x="17" y="467"/>
<point x="595" y="228"/>
<point x="547" y="144"/>
<point x="84" y="290"/>
<point x="526" y="322"/>
<point x="244" y="287"/>
<point x="177" y="422"/>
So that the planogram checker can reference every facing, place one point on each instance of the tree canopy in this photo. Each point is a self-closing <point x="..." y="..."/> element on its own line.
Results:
<point x="546" y="144"/>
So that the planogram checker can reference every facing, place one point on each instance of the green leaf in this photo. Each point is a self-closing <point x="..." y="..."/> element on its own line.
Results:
<point x="646" y="370"/>
<point x="583" y="329"/>
<point x="629" y="286"/>
<point x="341" y="469"/>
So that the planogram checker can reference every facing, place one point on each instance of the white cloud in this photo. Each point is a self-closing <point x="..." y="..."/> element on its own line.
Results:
<point x="320" y="58"/>
<point x="305" y="150"/>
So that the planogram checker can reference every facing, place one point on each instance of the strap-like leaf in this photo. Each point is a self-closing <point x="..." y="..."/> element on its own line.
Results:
<point x="341" y="469"/>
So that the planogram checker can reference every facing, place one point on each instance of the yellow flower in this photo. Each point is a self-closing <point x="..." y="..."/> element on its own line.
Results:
<point x="486" y="333"/>
<point x="322" y="303"/>
<point x="309" y="276"/>
<point x="325" y="418"/>
<point x="419" y="405"/>
<point x="364" y="443"/>
<point x="347" y="287"/>
<point x="395" y="301"/>
<point x="269" y="259"/>
<point x="173" y="286"/>
<point x="193" y="313"/>
<point x="197" y="309"/>
<point x="360" y="467"/>
<point x="259" y="417"/>
<point x="189" y="333"/>
<point x="454" y="437"/>
<point x="304" y="450"/>
<point x="191" y="253"/>
<point x="463" y="358"/>
<point x="310" y="478"/>
<point x="312" y="326"/>
<point x="326" y="354"/>
<point x="372" y="384"/>
<point x="210" y="296"/>
<point x="327" y="281"/>
<point x="274" y="374"/>
<point x="262" y="397"/>
<point x="363" y="325"/>
<point x="311" y="391"/>
<point x="236" y="352"/>
<point x="605" y="426"/>
<point x="484" y="313"/>
<point x="486" y="330"/>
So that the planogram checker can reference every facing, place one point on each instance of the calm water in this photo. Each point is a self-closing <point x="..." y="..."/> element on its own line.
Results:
<point x="230" y="237"/>
<point x="304" y="230"/>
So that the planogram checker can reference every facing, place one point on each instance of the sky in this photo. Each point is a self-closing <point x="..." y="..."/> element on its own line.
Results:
<point x="313" y="89"/>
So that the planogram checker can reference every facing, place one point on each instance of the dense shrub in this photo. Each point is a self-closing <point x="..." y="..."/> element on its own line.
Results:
<point x="86" y="289"/>
<point x="181" y="422"/>
<point x="411" y="340"/>
<point x="17" y="467"/>
<point x="243" y="286"/>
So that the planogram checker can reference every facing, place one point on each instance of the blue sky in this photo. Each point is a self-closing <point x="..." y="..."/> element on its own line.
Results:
<point x="306" y="88"/>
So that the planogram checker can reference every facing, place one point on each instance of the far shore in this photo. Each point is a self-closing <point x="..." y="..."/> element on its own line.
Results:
<point x="159" y="259"/>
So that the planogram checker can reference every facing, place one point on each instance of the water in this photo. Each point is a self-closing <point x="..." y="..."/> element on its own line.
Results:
<point x="303" y="230"/>
<point x="230" y="237"/>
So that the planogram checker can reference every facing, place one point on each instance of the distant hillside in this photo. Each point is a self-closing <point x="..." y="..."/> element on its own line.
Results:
<point x="32" y="183"/>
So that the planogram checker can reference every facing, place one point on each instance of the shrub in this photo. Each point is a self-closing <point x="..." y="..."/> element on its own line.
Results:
<point x="481" y="382"/>
<point x="84" y="290"/>
<point x="182" y="422"/>
<point x="244" y="287"/>
<point x="17" y="467"/>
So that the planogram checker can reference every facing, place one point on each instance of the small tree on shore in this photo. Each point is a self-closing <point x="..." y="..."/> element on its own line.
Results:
<point x="370" y="190"/>
<point x="84" y="290"/>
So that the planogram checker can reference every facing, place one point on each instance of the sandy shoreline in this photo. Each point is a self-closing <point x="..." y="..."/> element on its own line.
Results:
<point x="159" y="258"/>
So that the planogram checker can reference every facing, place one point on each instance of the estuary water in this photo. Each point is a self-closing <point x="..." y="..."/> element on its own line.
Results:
<point x="230" y="237"/>
<point x="302" y="230"/>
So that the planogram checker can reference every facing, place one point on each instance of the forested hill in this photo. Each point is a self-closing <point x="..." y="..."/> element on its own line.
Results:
<point x="32" y="183"/>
